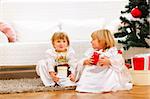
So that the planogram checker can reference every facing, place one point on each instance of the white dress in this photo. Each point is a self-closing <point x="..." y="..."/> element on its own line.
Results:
<point x="99" y="79"/>
<point x="46" y="65"/>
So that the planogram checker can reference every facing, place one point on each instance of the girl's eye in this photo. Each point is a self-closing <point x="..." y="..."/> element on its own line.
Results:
<point x="58" y="41"/>
<point x="64" y="41"/>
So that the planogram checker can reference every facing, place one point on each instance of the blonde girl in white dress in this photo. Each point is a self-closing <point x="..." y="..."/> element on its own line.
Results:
<point x="109" y="73"/>
<point x="59" y="66"/>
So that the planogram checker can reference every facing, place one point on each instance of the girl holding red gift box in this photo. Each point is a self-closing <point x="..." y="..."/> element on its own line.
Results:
<point x="103" y="68"/>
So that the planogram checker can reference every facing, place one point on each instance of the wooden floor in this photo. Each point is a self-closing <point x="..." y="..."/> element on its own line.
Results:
<point x="138" y="92"/>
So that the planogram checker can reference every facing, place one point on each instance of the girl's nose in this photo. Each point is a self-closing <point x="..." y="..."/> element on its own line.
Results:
<point x="91" y="41"/>
<point x="61" y="43"/>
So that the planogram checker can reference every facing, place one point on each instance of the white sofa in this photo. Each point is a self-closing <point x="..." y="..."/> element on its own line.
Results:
<point x="22" y="54"/>
<point x="30" y="53"/>
<point x="35" y="21"/>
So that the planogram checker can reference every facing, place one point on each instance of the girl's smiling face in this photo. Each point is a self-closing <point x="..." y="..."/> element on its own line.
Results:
<point x="61" y="45"/>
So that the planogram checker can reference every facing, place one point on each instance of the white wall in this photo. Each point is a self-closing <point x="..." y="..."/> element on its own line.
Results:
<point x="59" y="9"/>
<point x="36" y="17"/>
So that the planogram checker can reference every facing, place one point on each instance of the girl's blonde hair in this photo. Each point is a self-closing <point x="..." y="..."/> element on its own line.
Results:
<point x="60" y="35"/>
<point x="104" y="35"/>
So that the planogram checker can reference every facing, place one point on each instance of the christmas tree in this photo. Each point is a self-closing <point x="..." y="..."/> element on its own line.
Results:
<point x="134" y="31"/>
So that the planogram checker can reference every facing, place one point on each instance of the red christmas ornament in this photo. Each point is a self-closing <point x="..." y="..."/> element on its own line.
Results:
<point x="136" y="13"/>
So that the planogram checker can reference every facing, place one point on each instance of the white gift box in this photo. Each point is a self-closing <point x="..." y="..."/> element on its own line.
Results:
<point x="140" y="69"/>
<point x="62" y="71"/>
<point x="141" y="62"/>
<point x="140" y="77"/>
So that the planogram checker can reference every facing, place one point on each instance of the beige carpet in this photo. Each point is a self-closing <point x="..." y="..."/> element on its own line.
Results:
<point x="26" y="85"/>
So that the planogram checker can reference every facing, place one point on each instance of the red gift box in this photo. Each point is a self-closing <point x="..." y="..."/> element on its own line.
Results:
<point x="95" y="57"/>
<point x="138" y="63"/>
<point x="141" y="62"/>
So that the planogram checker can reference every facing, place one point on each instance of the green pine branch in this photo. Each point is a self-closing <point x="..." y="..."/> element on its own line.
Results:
<point x="136" y="31"/>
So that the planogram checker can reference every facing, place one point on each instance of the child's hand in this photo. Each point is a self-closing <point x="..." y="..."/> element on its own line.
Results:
<point x="104" y="61"/>
<point x="54" y="77"/>
<point x="72" y="77"/>
<point x="88" y="61"/>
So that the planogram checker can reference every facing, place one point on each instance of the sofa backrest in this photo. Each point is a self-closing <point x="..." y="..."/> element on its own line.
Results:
<point x="36" y="20"/>
<point x="24" y="53"/>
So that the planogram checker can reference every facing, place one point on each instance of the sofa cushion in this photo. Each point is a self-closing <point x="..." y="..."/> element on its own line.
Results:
<point x="81" y="29"/>
<point x="35" y="31"/>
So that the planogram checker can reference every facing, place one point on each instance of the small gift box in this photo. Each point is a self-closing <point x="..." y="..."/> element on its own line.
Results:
<point x="95" y="57"/>
<point x="62" y="70"/>
<point x="141" y="62"/>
